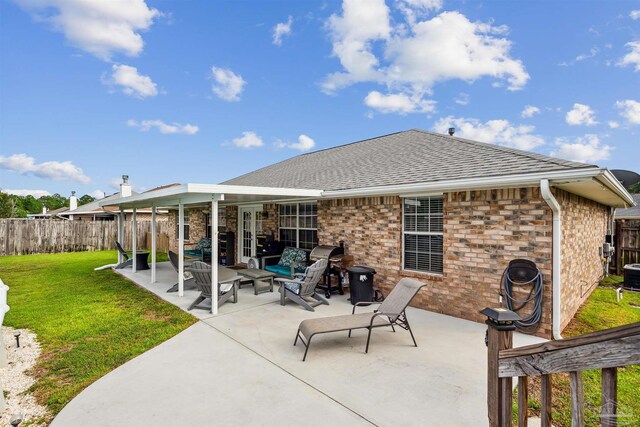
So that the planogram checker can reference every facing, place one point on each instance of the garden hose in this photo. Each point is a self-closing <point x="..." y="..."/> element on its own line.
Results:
<point x="521" y="273"/>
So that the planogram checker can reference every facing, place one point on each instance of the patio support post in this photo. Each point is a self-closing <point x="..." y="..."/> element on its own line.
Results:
<point x="214" y="252"/>
<point x="153" y="244"/>
<point x="120" y="235"/>
<point x="180" y="249"/>
<point x="499" y="390"/>
<point x="134" y="239"/>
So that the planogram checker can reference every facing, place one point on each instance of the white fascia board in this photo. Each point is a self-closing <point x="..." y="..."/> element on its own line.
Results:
<point x="466" y="184"/>
<point x="197" y="193"/>
<point x="614" y="185"/>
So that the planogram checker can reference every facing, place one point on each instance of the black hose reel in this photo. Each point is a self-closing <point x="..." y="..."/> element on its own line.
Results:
<point x="522" y="275"/>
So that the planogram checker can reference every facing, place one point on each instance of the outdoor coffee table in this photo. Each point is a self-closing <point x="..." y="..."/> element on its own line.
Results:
<point x="255" y="275"/>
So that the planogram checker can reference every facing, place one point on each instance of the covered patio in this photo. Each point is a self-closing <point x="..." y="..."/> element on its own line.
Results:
<point x="195" y="195"/>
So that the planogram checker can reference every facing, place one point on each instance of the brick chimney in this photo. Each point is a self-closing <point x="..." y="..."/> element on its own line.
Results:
<point x="125" y="187"/>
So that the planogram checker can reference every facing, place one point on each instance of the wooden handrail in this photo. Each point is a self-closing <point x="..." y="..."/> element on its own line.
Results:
<point x="591" y="338"/>
<point x="606" y="350"/>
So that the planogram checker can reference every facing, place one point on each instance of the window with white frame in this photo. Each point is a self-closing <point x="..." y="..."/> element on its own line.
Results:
<point x="222" y="221"/>
<point x="422" y="234"/>
<point x="298" y="224"/>
<point x="186" y="224"/>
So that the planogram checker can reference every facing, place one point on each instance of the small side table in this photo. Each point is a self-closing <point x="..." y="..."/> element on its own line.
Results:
<point x="255" y="275"/>
<point x="141" y="260"/>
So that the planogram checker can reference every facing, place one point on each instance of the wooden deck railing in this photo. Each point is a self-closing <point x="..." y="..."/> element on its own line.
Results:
<point x="606" y="350"/>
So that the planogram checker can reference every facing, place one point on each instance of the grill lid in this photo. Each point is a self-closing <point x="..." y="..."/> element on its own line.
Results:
<point x="325" y="252"/>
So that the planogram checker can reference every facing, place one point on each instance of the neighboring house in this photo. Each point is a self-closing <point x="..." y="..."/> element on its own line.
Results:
<point x="630" y="213"/>
<point x="99" y="210"/>
<point x="48" y="214"/>
<point x="448" y="211"/>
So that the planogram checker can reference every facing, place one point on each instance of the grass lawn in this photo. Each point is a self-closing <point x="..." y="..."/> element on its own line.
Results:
<point x="88" y="322"/>
<point x="600" y="311"/>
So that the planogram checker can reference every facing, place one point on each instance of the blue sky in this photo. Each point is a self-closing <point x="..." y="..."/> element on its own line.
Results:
<point x="188" y="91"/>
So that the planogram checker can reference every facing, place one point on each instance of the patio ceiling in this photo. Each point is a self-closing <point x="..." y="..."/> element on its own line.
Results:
<point x="193" y="194"/>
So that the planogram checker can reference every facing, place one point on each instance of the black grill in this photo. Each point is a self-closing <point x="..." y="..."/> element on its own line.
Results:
<point x="333" y="255"/>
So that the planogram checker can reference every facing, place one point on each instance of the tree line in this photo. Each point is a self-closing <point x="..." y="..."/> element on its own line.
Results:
<point x="13" y="206"/>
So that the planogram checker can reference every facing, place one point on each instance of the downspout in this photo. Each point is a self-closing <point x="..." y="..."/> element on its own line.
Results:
<point x="545" y="191"/>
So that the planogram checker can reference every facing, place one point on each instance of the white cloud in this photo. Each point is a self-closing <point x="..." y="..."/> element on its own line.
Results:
<point x="634" y="14"/>
<point x="115" y="183"/>
<point x="280" y="30"/>
<point x="500" y="132"/>
<point x="462" y="99"/>
<point x="97" y="194"/>
<point x="586" y="149"/>
<point x="414" y="9"/>
<point x="166" y="128"/>
<point x="131" y="82"/>
<point x="227" y="85"/>
<point x="305" y="143"/>
<point x="99" y="27"/>
<point x="248" y="140"/>
<point x="398" y="103"/>
<point x="529" y="111"/>
<point x="413" y="56"/>
<point x="613" y="124"/>
<point x="26" y="165"/>
<point x="630" y="110"/>
<point x="633" y="57"/>
<point x="581" y="114"/>
<point x="35" y="193"/>
<point x="592" y="52"/>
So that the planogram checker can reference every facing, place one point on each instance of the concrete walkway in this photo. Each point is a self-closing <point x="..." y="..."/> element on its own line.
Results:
<point x="240" y="368"/>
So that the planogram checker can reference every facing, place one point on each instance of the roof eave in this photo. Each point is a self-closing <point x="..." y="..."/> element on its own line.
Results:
<point x="588" y="173"/>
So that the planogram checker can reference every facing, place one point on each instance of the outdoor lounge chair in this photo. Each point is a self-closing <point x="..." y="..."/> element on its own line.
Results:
<point x="128" y="260"/>
<point x="227" y="284"/>
<point x="189" y="281"/>
<point x="303" y="287"/>
<point x="391" y="312"/>
<point x="202" y="249"/>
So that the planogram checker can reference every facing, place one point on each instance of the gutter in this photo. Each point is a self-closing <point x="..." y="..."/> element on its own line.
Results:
<point x="545" y="191"/>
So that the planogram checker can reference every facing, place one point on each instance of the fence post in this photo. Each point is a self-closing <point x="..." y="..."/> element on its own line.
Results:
<point x="499" y="390"/>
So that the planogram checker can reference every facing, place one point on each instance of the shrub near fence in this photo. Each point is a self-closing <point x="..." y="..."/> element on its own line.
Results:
<point x="21" y="237"/>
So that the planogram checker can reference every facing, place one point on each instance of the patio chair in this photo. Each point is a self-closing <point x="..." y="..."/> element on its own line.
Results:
<point x="189" y="281"/>
<point x="227" y="287"/>
<point x="202" y="249"/>
<point x="303" y="287"/>
<point x="390" y="312"/>
<point x="291" y="261"/>
<point x="128" y="261"/>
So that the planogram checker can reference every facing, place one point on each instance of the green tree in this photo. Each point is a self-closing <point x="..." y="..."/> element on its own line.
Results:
<point x="11" y="206"/>
<point x="85" y="199"/>
<point x="635" y="188"/>
<point x="55" y="201"/>
<point x="31" y="205"/>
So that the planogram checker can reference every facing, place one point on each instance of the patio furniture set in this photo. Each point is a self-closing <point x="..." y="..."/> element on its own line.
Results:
<point x="299" y="282"/>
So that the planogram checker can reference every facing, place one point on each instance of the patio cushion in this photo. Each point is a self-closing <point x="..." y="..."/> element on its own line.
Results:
<point x="280" y="270"/>
<point x="204" y="243"/>
<point x="293" y="256"/>
<point x="293" y="287"/>
<point x="193" y="252"/>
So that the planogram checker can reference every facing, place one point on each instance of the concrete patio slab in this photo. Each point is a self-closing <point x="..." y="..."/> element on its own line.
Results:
<point x="166" y="277"/>
<point x="395" y="383"/>
<point x="241" y="368"/>
<point x="202" y="378"/>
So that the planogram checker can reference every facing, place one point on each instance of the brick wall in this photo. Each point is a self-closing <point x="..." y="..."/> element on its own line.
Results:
<point x="197" y="227"/>
<point x="584" y="226"/>
<point x="483" y="231"/>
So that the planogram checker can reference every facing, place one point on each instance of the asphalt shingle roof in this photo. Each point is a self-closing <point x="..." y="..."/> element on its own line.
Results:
<point x="413" y="156"/>
<point x="633" y="212"/>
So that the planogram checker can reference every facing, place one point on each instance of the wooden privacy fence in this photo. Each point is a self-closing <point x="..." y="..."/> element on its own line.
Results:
<point x="627" y="245"/>
<point x="606" y="350"/>
<point x="21" y="237"/>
